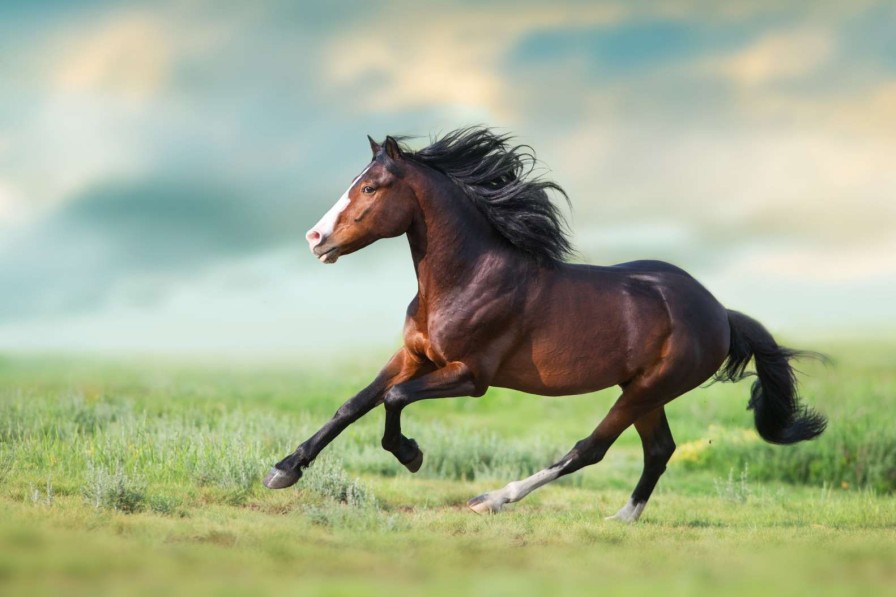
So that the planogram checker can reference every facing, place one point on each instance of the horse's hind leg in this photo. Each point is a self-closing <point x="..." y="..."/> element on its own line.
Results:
<point x="630" y="407"/>
<point x="656" y="438"/>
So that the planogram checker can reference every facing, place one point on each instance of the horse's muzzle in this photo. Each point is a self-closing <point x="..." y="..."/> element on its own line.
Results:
<point x="326" y="254"/>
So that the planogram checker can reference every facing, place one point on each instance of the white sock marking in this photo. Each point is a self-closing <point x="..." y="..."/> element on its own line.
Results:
<point x="630" y="512"/>
<point x="517" y="490"/>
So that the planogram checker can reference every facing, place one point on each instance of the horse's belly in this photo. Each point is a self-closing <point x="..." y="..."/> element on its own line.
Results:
<point x="560" y="373"/>
<point x="584" y="340"/>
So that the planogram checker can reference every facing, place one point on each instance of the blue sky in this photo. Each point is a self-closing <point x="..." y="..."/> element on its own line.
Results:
<point x="160" y="162"/>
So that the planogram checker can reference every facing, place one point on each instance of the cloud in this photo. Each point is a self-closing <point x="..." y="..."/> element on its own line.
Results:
<point x="115" y="94"/>
<point x="165" y="229"/>
<point x="81" y="110"/>
<point x="864" y="111"/>
<point x="452" y="60"/>
<point x="776" y="57"/>
<point x="128" y="55"/>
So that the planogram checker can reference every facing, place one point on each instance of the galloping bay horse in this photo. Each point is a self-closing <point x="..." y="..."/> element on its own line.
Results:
<point x="497" y="305"/>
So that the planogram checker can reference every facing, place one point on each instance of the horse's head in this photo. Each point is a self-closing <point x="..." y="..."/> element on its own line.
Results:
<point x="378" y="204"/>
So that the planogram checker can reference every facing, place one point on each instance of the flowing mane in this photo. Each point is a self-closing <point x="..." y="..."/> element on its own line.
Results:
<point x="498" y="178"/>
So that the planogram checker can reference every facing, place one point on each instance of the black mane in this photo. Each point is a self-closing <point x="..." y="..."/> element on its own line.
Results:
<point x="497" y="177"/>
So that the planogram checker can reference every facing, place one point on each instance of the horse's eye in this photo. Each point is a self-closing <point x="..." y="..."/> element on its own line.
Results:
<point x="368" y="189"/>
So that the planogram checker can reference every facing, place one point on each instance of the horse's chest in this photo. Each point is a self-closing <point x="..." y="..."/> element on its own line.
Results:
<point x="456" y="326"/>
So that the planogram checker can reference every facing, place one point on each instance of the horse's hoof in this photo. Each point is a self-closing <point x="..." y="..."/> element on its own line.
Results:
<point x="415" y="464"/>
<point x="482" y="504"/>
<point x="280" y="479"/>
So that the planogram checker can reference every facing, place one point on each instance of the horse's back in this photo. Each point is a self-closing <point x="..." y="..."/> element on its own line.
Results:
<point x="652" y="266"/>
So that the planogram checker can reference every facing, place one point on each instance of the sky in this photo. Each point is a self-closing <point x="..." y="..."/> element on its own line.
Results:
<point x="161" y="161"/>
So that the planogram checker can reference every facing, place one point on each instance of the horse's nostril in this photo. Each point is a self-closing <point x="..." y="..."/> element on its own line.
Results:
<point x="313" y="237"/>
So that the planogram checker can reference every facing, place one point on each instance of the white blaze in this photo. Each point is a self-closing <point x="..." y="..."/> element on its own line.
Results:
<point x="327" y="223"/>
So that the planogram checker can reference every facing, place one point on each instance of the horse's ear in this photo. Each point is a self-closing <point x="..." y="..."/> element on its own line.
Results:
<point x="374" y="146"/>
<point x="392" y="149"/>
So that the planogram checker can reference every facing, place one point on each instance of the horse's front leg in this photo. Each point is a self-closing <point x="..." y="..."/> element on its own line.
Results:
<point x="454" y="380"/>
<point x="289" y="470"/>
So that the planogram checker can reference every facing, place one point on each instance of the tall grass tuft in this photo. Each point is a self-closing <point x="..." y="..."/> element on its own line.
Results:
<point x="328" y="479"/>
<point x="734" y="490"/>
<point x="113" y="490"/>
<point x="43" y="497"/>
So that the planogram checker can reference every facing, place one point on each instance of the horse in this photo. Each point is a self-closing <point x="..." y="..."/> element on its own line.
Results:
<point x="499" y="304"/>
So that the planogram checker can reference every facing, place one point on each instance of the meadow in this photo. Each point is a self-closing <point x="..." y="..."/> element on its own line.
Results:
<point x="140" y="476"/>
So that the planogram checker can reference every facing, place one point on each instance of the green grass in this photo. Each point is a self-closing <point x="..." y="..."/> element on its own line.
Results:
<point x="144" y="476"/>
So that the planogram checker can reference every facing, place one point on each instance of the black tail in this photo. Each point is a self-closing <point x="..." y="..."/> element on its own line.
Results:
<point x="780" y="418"/>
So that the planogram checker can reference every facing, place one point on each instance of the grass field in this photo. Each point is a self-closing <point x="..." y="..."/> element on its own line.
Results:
<point x="142" y="477"/>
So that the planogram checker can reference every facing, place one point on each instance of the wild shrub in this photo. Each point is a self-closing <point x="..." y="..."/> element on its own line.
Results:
<point x="328" y="479"/>
<point x="114" y="490"/>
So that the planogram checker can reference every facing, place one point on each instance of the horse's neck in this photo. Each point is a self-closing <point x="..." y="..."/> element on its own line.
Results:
<point x="448" y="237"/>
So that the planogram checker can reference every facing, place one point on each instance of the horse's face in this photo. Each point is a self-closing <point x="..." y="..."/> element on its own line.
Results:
<point x="378" y="204"/>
